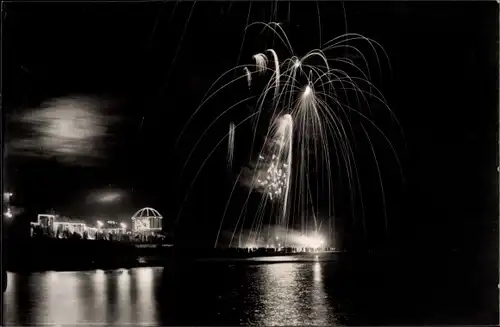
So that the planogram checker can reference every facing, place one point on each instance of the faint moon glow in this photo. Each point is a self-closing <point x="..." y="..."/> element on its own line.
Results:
<point x="70" y="129"/>
<point x="105" y="196"/>
<point x="109" y="197"/>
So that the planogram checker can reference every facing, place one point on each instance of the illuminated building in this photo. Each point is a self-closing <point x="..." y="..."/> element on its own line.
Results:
<point x="65" y="224"/>
<point x="112" y="227"/>
<point x="46" y="223"/>
<point x="147" y="220"/>
<point x="57" y="226"/>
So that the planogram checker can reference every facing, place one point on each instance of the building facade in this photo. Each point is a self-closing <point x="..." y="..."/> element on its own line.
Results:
<point x="145" y="223"/>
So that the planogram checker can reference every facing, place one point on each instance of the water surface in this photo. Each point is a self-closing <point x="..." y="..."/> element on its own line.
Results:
<point x="238" y="293"/>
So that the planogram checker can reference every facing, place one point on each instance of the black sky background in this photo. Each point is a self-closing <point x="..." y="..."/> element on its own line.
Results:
<point x="442" y="88"/>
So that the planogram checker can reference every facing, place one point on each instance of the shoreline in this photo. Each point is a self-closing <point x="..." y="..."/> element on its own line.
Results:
<point x="38" y="255"/>
<point x="80" y="255"/>
<point x="166" y="262"/>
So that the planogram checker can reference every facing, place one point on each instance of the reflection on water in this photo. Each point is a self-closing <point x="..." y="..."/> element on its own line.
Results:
<point x="291" y="294"/>
<point x="287" y="293"/>
<point x="111" y="297"/>
<point x="267" y="293"/>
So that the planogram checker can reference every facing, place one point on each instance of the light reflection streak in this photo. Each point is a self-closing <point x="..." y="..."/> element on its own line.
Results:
<point x="10" y="295"/>
<point x="87" y="293"/>
<point x="279" y="308"/>
<point x="19" y="296"/>
<point x="145" y="309"/>
<point x="61" y="304"/>
<point x="99" y="281"/>
<point x="291" y="294"/>
<point x="112" y="309"/>
<point x="278" y="294"/>
<point x="124" y="298"/>
<point x="319" y="302"/>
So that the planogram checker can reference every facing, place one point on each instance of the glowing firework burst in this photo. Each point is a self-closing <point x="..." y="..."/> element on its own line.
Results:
<point x="274" y="181"/>
<point x="271" y="176"/>
<point x="309" y="103"/>
<point x="273" y="171"/>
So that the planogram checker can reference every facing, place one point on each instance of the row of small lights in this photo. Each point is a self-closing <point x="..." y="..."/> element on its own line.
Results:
<point x="8" y="214"/>
<point x="100" y="224"/>
<point x="279" y="244"/>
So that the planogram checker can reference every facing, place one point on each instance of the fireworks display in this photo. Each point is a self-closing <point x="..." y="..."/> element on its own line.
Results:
<point x="273" y="170"/>
<point x="275" y="180"/>
<point x="308" y="104"/>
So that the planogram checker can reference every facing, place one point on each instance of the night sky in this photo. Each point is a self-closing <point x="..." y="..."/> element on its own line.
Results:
<point x="151" y="63"/>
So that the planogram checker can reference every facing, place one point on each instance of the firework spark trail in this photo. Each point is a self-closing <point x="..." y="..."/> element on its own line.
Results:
<point x="208" y="128"/>
<point x="274" y="179"/>
<point x="305" y="101"/>
<point x="177" y="50"/>
<point x="208" y="96"/>
<point x="205" y="162"/>
<point x="244" y="32"/>
<point x="260" y="62"/>
<point x="248" y="74"/>
<point x="271" y="176"/>
<point x="230" y="146"/>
